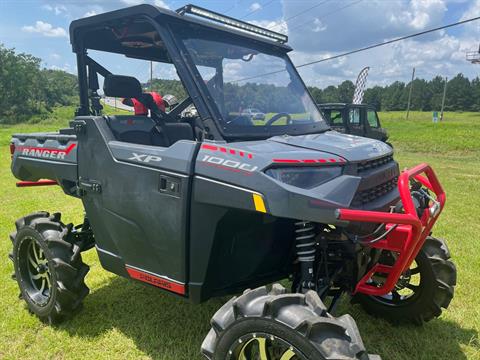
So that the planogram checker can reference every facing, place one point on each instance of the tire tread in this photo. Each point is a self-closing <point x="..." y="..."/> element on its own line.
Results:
<point x="303" y="314"/>
<point x="70" y="272"/>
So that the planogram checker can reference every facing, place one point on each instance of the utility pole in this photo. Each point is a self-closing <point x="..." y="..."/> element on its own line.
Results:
<point x="410" y="94"/>
<point x="443" y="99"/>
<point x="151" y="75"/>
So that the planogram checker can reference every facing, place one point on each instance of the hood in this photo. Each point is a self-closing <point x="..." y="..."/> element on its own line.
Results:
<point x="350" y="147"/>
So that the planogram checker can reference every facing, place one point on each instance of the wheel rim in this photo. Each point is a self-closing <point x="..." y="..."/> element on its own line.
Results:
<point x="260" y="346"/>
<point x="406" y="289"/>
<point x="35" y="271"/>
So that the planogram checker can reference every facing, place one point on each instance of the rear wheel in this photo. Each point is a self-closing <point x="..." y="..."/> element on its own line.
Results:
<point x="262" y="325"/>
<point x="421" y="292"/>
<point x="48" y="268"/>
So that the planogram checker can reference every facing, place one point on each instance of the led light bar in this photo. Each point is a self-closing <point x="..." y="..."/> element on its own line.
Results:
<point x="227" y="20"/>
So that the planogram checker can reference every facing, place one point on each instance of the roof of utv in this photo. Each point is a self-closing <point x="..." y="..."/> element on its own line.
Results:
<point x="118" y="31"/>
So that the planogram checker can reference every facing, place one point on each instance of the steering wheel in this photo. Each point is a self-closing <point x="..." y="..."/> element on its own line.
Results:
<point x="277" y="117"/>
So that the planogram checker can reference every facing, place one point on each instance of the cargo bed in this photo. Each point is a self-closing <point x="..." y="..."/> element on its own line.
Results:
<point x="46" y="155"/>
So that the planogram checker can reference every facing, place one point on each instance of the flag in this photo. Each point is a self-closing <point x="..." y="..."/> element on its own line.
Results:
<point x="360" y="86"/>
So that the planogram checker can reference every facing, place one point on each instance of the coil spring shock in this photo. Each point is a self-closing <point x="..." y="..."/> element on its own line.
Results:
<point x="306" y="249"/>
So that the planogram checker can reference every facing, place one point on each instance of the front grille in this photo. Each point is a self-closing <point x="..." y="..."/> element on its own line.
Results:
<point x="372" y="164"/>
<point x="365" y="196"/>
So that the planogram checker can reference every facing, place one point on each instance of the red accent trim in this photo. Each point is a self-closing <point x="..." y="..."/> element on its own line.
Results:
<point x="308" y="161"/>
<point x="156" y="280"/>
<point x="286" y="161"/>
<point x="66" y="151"/>
<point x="209" y="147"/>
<point x="70" y="148"/>
<point x="409" y="236"/>
<point x="36" y="183"/>
<point x="226" y="150"/>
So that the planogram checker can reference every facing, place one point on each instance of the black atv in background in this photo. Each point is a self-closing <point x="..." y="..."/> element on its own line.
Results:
<point x="208" y="202"/>
<point x="355" y="119"/>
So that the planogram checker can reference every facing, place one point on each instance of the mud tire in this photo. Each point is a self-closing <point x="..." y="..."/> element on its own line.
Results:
<point x="298" y="320"/>
<point x="61" y="259"/>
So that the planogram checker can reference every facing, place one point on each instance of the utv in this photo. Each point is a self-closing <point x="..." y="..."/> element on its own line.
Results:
<point x="355" y="119"/>
<point x="213" y="204"/>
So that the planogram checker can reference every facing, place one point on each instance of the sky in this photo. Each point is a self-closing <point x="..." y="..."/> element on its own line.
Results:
<point x="316" y="29"/>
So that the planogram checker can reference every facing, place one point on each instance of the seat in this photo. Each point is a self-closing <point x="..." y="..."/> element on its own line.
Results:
<point x="141" y="129"/>
<point x="137" y="130"/>
<point x="179" y="131"/>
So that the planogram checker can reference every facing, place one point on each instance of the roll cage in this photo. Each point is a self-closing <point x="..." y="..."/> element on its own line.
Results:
<point x="147" y="32"/>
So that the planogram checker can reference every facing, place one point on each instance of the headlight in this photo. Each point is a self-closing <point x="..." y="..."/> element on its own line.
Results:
<point x="305" y="177"/>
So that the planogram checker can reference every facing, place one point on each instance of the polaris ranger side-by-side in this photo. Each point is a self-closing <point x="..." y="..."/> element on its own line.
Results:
<point x="214" y="203"/>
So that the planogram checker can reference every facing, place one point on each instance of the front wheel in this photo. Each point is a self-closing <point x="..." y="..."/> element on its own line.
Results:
<point x="421" y="292"/>
<point x="262" y="325"/>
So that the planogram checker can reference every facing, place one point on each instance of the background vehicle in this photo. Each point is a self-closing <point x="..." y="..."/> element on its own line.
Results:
<point x="255" y="114"/>
<point x="355" y="119"/>
<point x="211" y="204"/>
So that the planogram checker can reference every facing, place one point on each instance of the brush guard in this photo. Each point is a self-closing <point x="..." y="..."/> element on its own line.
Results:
<point x="406" y="232"/>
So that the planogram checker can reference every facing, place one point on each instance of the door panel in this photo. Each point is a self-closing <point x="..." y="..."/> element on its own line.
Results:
<point x="373" y="126"/>
<point x="355" y="122"/>
<point x="140" y="213"/>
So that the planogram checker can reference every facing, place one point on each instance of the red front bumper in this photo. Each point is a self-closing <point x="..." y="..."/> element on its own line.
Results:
<point x="408" y="237"/>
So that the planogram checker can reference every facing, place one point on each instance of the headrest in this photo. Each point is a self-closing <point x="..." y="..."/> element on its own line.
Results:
<point x="122" y="86"/>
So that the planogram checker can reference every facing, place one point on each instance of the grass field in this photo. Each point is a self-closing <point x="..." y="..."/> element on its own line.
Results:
<point x="122" y="319"/>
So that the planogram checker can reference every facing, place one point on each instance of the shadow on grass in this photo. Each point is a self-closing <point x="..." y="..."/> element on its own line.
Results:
<point x="436" y="339"/>
<point x="166" y="327"/>
<point x="160" y="324"/>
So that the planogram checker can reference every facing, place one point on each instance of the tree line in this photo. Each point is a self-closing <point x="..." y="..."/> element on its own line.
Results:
<point x="462" y="94"/>
<point x="26" y="89"/>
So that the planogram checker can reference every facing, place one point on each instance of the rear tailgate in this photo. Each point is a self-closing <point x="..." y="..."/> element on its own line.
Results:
<point x="51" y="156"/>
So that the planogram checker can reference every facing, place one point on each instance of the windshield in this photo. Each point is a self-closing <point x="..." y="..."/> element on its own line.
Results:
<point x="255" y="92"/>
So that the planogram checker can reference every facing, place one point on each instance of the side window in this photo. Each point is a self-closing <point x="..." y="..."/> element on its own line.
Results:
<point x="130" y="119"/>
<point x="354" y="117"/>
<point x="336" y="118"/>
<point x="372" y="119"/>
<point x="154" y="77"/>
